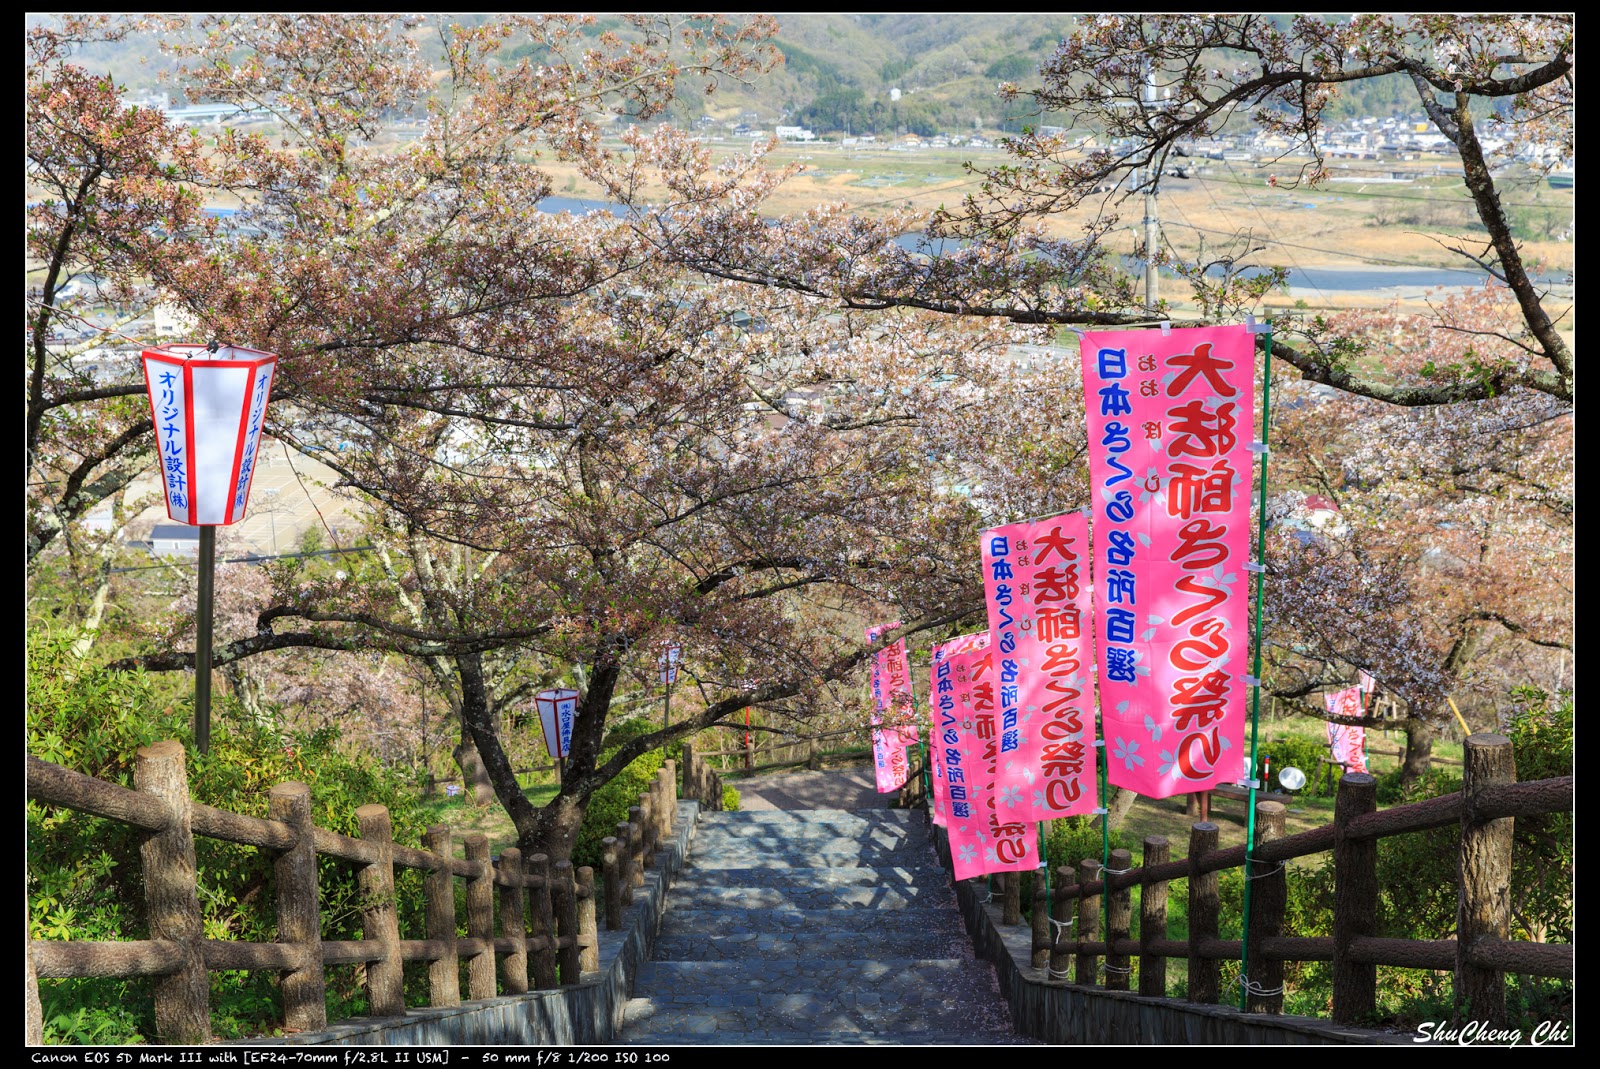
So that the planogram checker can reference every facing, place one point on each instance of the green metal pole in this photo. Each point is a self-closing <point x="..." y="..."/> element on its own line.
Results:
<point x="202" y="651"/>
<point x="1255" y="697"/>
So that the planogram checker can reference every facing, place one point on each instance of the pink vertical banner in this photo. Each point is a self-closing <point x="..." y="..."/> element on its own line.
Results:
<point x="1036" y="582"/>
<point x="892" y="716"/>
<point x="1349" y="743"/>
<point x="1171" y="418"/>
<point x="982" y="838"/>
<point x="945" y="728"/>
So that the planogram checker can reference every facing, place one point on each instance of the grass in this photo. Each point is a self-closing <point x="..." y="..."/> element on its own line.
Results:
<point x="465" y="819"/>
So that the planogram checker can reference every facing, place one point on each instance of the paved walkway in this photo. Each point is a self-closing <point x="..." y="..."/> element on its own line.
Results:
<point x="814" y="926"/>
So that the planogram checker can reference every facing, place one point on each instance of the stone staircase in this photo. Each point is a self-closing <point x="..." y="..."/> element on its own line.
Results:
<point x="812" y="927"/>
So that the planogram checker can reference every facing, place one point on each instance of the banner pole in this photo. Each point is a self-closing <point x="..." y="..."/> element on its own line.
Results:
<point x="1255" y="695"/>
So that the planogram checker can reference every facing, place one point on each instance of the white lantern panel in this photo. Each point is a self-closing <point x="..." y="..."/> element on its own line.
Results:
<point x="208" y="409"/>
<point x="557" y="711"/>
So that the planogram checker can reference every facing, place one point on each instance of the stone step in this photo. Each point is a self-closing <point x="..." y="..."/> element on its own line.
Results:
<point x="818" y="944"/>
<point x="815" y="816"/>
<point x="687" y="922"/>
<point x="892" y="877"/>
<point x="904" y="997"/>
<point x="811" y="829"/>
<point x="875" y="845"/>
<point x="711" y="1037"/>
<point x="721" y="860"/>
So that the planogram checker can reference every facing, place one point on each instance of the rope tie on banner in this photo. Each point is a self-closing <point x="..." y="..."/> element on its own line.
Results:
<point x="1055" y="929"/>
<point x="1263" y="875"/>
<point x="1258" y="990"/>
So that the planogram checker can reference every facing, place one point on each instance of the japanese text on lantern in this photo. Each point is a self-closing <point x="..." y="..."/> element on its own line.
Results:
<point x="1036" y="576"/>
<point x="258" y="409"/>
<point x="172" y="434"/>
<point x="1170" y="419"/>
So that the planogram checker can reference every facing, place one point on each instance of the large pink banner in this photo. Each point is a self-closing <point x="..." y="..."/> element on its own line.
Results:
<point x="982" y="838"/>
<point x="1349" y="743"/>
<point x="1036" y="578"/>
<point x="891" y="706"/>
<point x="945" y="730"/>
<point x="1171" y="418"/>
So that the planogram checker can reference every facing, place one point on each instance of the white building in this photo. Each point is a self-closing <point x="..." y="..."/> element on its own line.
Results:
<point x="794" y="133"/>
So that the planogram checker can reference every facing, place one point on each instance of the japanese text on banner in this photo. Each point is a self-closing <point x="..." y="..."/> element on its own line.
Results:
<point x="1348" y="742"/>
<point x="942" y="705"/>
<point x="892" y="716"/>
<point x="1170" y="423"/>
<point x="1036" y="582"/>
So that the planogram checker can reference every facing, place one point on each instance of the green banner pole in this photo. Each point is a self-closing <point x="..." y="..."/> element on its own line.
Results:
<point x="1255" y="696"/>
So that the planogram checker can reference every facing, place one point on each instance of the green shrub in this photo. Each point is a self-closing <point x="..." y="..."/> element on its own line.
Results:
<point x="730" y="800"/>
<point x="1072" y="839"/>
<point x="608" y="806"/>
<point x="1305" y="754"/>
<point x="84" y="876"/>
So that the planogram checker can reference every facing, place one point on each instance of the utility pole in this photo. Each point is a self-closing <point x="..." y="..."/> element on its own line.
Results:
<point x="1152" y="219"/>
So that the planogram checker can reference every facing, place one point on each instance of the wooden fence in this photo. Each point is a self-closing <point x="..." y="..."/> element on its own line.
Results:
<point x="546" y="911"/>
<point x="1480" y="955"/>
<point x="787" y="752"/>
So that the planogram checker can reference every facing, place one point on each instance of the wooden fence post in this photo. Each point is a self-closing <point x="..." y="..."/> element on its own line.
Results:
<point x="1086" y="966"/>
<point x="1484" y="908"/>
<point x="380" y="920"/>
<point x="1153" y="920"/>
<point x="749" y="753"/>
<point x="1355" y="900"/>
<point x="669" y="797"/>
<point x="544" y="923"/>
<point x="1205" y="974"/>
<point x="566" y="909"/>
<point x="182" y="998"/>
<point x="636" y="845"/>
<point x="1268" y="897"/>
<point x="513" y="922"/>
<point x="1061" y="931"/>
<point x="439" y="902"/>
<point x="611" y="873"/>
<point x="1041" y="918"/>
<point x="647" y="832"/>
<point x="480" y="919"/>
<point x="813" y="757"/>
<point x="1119" y="925"/>
<point x="33" y="1009"/>
<point x="304" y="988"/>
<point x="588" y="930"/>
<point x="1011" y="899"/>
<point x="625" y="861"/>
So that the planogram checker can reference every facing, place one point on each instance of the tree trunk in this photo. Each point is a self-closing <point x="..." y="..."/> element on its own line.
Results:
<point x="1420" y="734"/>
<point x="474" y="776"/>
<point x="1121" y="805"/>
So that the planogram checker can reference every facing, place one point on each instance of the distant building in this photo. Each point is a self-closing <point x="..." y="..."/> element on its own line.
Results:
<point x="794" y="133"/>
<point x="894" y="94"/>
<point x="174" y="540"/>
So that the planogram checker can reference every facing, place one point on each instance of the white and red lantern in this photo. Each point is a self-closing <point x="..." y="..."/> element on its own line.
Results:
<point x="208" y="407"/>
<point x="557" y="710"/>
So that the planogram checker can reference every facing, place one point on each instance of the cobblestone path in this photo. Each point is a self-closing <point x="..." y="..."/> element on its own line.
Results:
<point x="814" y="926"/>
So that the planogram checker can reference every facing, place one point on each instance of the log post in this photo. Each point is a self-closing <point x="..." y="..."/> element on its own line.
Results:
<point x="1119" y="926"/>
<point x="380" y="920"/>
<point x="1061" y="931"/>
<point x="611" y="873"/>
<point x="636" y="845"/>
<point x="439" y="903"/>
<point x="1153" y="920"/>
<point x="566" y="909"/>
<point x="749" y="754"/>
<point x="1041" y="919"/>
<point x="647" y="831"/>
<point x="1484" y="907"/>
<point x="813" y="756"/>
<point x="172" y="898"/>
<point x="669" y="797"/>
<point x="480" y="919"/>
<point x="1355" y="900"/>
<point x="1011" y="899"/>
<point x="513" y="923"/>
<point x="1087" y="965"/>
<point x="588" y="930"/>
<point x="625" y="861"/>
<point x="305" y="1001"/>
<point x="544" y="923"/>
<point x="1205" y="974"/>
<point x="1268" y="897"/>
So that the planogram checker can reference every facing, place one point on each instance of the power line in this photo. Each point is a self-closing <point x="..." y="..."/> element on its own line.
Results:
<point x="252" y="559"/>
<point x="1251" y="201"/>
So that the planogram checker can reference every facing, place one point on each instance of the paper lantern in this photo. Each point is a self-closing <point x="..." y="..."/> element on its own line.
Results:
<point x="557" y="710"/>
<point x="208" y="408"/>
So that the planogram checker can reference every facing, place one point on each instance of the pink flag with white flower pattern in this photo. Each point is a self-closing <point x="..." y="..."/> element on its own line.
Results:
<point x="1171" y="417"/>
<point x="1348" y="742"/>
<point x="945" y="729"/>
<point x="1036" y="578"/>
<point x="891" y="707"/>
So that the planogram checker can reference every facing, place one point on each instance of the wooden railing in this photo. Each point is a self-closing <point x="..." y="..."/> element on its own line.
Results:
<point x="546" y="911"/>
<point x="790" y="751"/>
<point x="1480" y="955"/>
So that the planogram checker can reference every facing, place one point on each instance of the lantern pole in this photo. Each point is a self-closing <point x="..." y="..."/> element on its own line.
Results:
<point x="202" y="656"/>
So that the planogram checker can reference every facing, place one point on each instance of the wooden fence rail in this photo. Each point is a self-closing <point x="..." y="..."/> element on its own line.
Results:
<point x="1480" y="955"/>
<point x="560" y="943"/>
